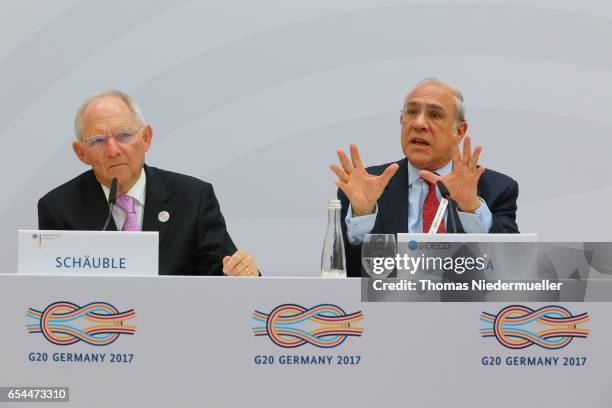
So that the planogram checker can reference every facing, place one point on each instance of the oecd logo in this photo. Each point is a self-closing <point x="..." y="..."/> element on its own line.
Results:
<point x="550" y="327"/>
<point x="414" y="245"/>
<point x="324" y="326"/>
<point x="65" y="323"/>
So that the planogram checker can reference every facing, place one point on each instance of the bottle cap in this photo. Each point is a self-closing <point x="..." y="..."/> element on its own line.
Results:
<point x="334" y="203"/>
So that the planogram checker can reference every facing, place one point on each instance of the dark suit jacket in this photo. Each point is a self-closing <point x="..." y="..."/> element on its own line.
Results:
<point x="193" y="241"/>
<point x="498" y="190"/>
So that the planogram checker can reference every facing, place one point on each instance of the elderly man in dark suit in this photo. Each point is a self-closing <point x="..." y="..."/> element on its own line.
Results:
<point x="402" y="196"/>
<point x="112" y="138"/>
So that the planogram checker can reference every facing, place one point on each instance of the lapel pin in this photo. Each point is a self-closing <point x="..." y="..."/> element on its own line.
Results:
<point x="163" y="216"/>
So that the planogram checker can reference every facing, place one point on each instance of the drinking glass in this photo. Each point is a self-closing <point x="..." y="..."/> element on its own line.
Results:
<point x="375" y="250"/>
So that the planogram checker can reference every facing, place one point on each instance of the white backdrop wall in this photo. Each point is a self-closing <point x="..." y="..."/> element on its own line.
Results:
<point x="255" y="97"/>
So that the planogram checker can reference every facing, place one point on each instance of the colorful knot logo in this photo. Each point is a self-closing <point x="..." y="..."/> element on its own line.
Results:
<point x="324" y="326"/>
<point x="101" y="323"/>
<point x="513" y="326"/>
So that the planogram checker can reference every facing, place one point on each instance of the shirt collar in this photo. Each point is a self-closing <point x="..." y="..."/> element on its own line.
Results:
<point x="413" y="172"/>
<point x="137" y="191"/>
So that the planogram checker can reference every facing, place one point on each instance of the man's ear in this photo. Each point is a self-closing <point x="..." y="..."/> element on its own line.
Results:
<point x="460" y="132"/>
<point x="147" y="135"/>
<point x="79" y="150"/>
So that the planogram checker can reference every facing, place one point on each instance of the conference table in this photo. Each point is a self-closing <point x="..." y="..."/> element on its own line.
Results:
<point x="275" y="342"/>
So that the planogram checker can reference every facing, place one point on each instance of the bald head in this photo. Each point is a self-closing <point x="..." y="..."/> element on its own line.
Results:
<point x="456" y="94"/>
<point x="103" y="97"/>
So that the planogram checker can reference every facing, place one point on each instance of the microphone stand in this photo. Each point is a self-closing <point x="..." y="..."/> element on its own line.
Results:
<point x="112" y="199"/>
<point x="446" y="194"/>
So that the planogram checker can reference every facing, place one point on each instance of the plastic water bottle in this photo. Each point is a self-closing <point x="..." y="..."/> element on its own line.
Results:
<point x="333" y="260"/>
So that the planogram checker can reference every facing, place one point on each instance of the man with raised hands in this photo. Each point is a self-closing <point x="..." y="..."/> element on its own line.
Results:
<point x="402" y="196"/>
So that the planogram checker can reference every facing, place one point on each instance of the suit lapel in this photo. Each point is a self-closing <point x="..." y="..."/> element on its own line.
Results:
<point x="96" y="205"/>
<point x="156" y="201"/>
<point x="395" y="215"/>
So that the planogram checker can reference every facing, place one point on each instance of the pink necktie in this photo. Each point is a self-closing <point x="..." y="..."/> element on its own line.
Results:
<point x="126" y="203"/>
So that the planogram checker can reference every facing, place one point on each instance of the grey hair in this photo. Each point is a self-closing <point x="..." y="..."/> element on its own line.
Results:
<point x="457" y="96"/>
<point x="131" y="103"/>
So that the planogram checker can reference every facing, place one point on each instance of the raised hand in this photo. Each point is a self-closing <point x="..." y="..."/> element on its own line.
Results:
<point x="462" y="181"/>
<point x="362" y="189"/>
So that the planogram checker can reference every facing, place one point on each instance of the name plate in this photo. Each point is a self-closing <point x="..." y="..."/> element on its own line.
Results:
<point x="90" y="253"/>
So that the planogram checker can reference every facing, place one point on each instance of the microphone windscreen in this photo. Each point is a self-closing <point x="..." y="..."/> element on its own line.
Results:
<point x="443" y="190"/>
<point x="112" y="196"/>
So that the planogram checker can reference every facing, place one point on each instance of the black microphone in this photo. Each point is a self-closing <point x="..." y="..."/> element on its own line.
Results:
<point x="446" y="194"/>
<point x="112" y="199"/>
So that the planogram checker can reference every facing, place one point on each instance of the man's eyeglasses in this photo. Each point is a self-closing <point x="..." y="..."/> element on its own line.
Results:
<point x="121" y="136"/>
<point x="431" y="114"/>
